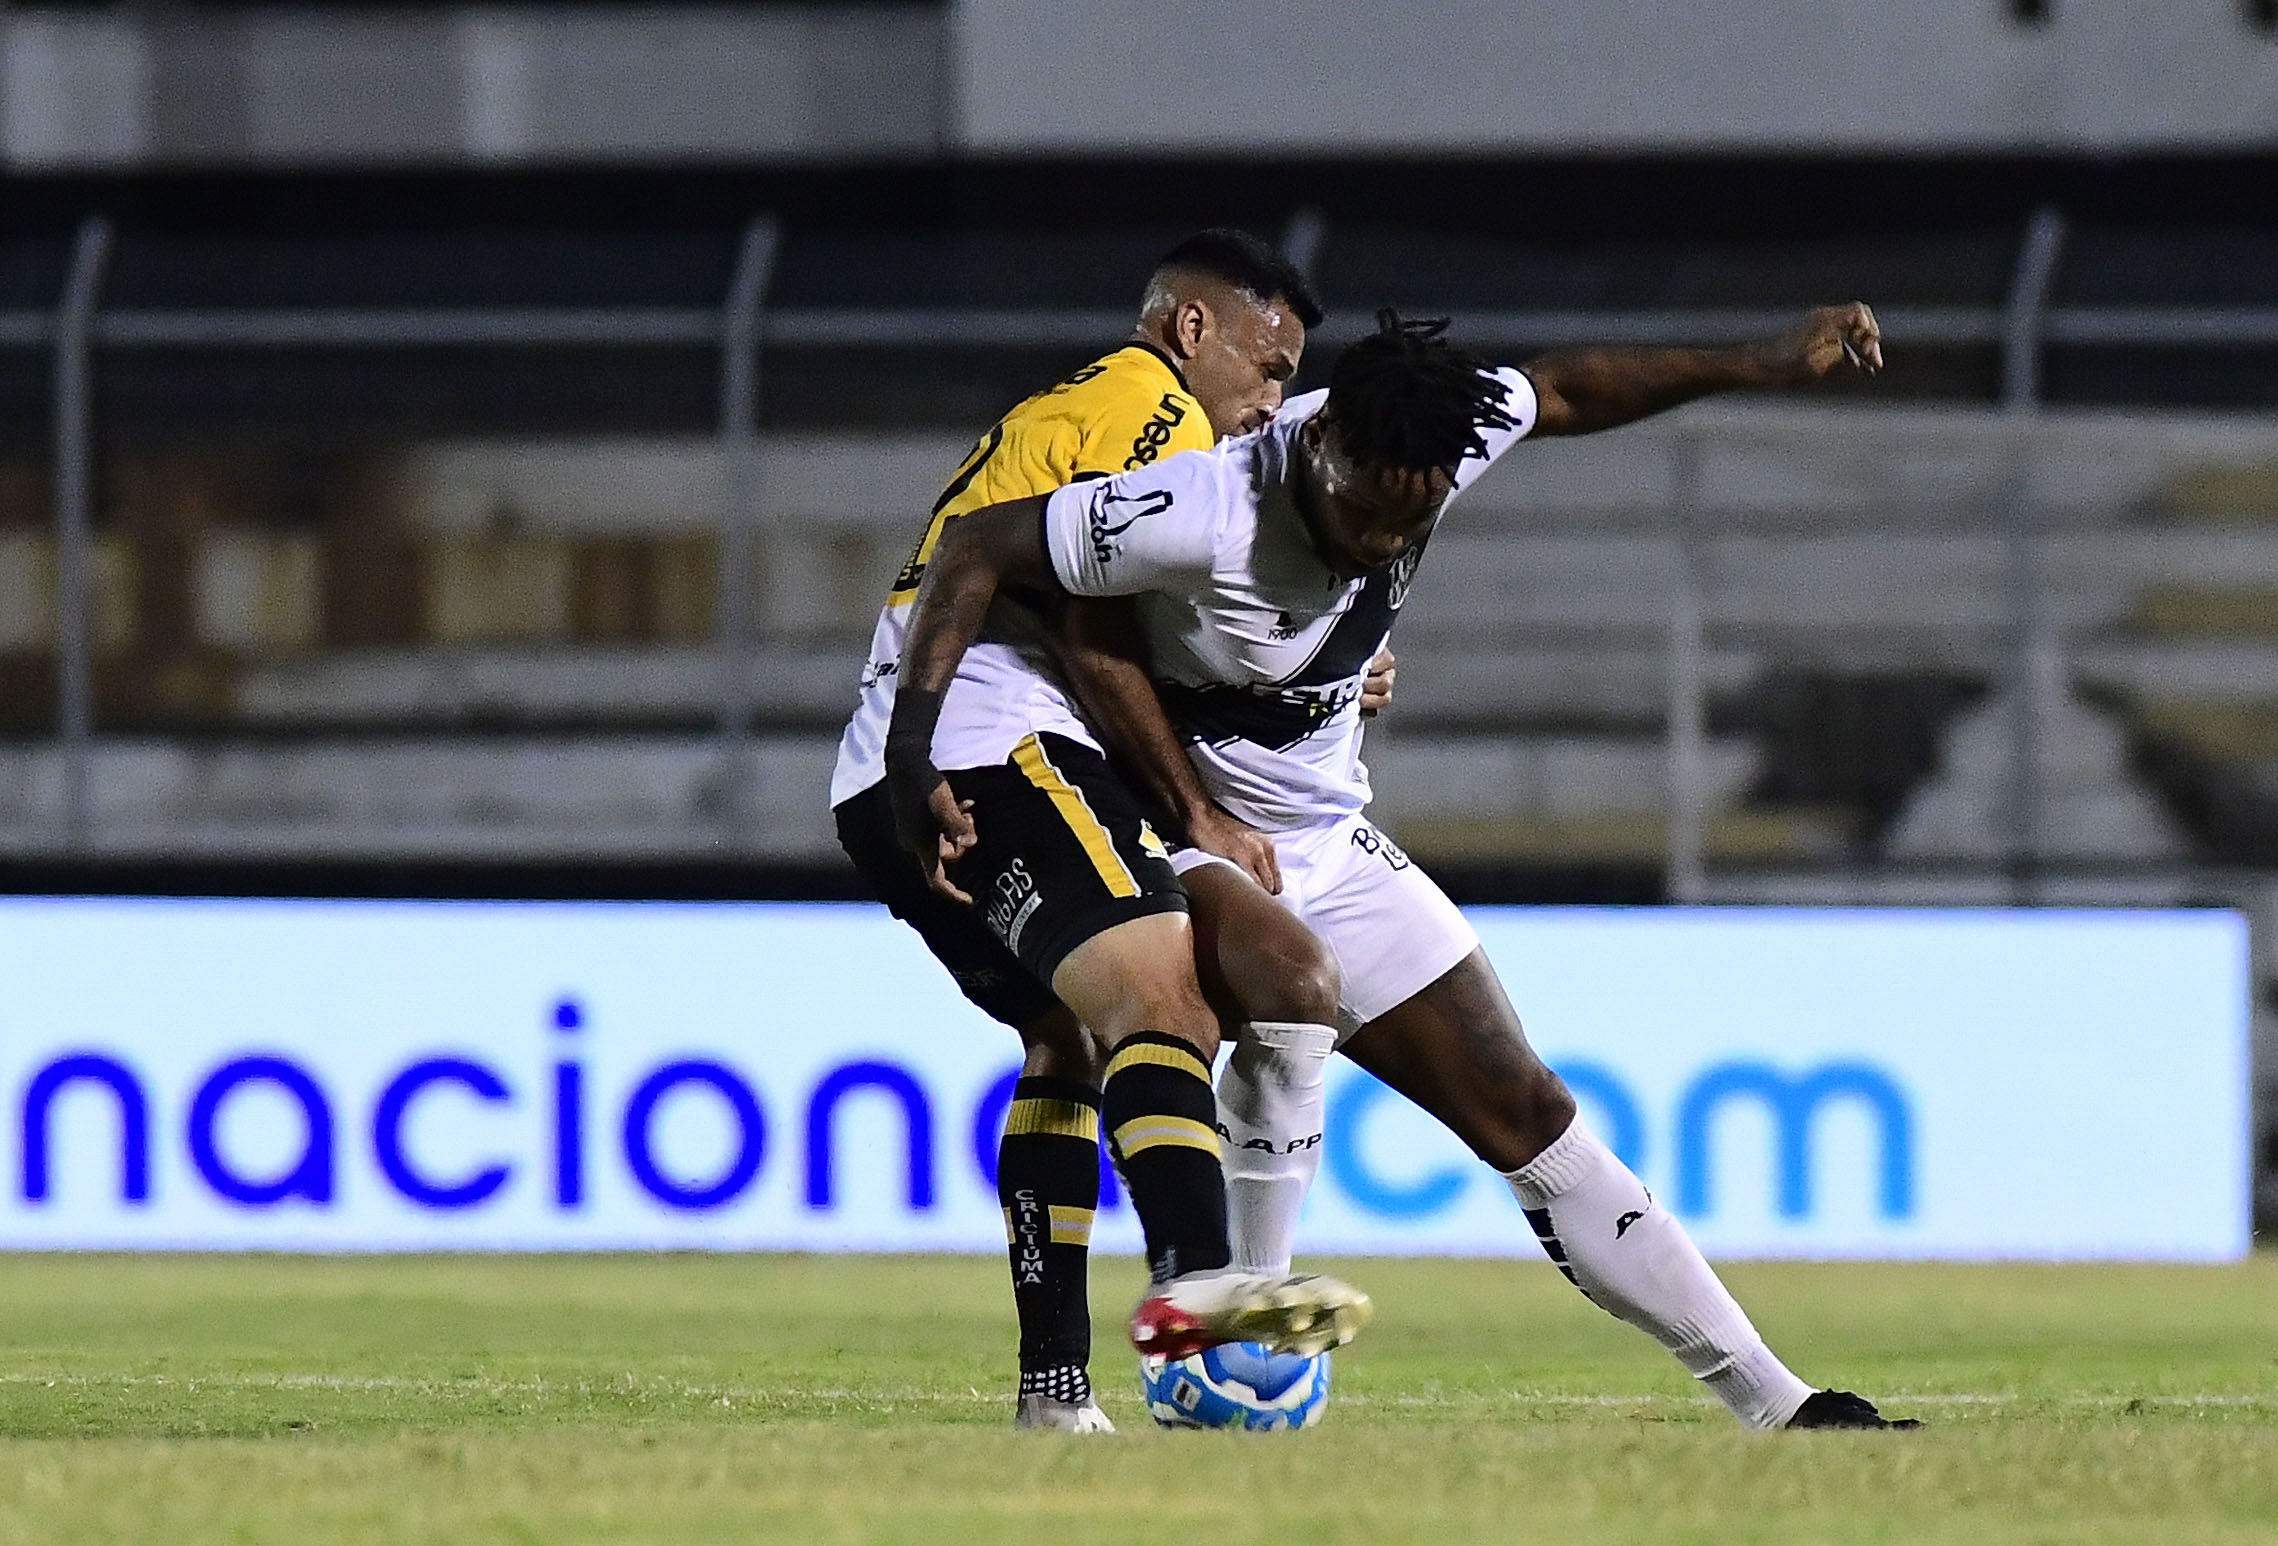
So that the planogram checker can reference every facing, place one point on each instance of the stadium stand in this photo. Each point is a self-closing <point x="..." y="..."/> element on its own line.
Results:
<point x="410" y="596"/>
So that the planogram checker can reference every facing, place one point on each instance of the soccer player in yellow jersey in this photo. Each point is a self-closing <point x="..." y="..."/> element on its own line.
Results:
<point x="1221" y="329"/>
<point x="1122" y="411"/>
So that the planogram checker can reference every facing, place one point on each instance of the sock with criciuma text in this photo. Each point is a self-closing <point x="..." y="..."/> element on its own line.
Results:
<point x="1048" y="1182"/>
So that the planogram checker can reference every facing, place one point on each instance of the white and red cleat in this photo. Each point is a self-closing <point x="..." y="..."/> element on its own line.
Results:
<point x="1305" y="1314"/>
<point x="1041" y="1411"/>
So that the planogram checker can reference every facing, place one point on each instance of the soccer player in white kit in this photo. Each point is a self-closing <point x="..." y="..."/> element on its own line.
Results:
<point x="1268" y="571"/>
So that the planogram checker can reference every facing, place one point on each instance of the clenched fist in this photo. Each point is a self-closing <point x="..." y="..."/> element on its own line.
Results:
<point x="1823" y="340"/>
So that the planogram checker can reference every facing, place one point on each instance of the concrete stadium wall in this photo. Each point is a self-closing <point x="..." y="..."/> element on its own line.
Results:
<point x="506" y="85"/>
<point x="694" y="83"/>
<point x="1518" y="75"/>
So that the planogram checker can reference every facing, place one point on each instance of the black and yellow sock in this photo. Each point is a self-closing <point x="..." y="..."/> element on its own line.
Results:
<point x="1162" y="1117"/>
<point x="1048" y="1181"/>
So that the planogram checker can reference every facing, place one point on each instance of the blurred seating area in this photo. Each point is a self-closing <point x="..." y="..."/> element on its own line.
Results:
<point x="509" y="644"/>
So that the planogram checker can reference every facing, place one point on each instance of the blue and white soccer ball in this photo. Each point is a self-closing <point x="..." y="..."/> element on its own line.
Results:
<point x="1237" y="1385"/>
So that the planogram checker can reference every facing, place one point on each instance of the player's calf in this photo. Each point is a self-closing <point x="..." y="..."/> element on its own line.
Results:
<point x="1271" y="1102"/>
<point x="1161" y="1118"/>
<point x="1048" y="1186"/>
<point x="1134" y="984"/>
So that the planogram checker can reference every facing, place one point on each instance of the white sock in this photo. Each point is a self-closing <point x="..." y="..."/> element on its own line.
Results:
<point x="1269" y="1105"/>
<point x="1609" y="1237"/>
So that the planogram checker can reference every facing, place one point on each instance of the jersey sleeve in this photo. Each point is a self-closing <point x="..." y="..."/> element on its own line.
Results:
<point x="1520" y="403"/>
<point x="1149" y="530"/>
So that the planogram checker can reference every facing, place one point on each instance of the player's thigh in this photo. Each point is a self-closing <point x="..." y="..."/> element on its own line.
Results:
<point x="1255" y="959"/>
<point x="1456" y="1048"/>
<point x="987" y="973"/>
<point x="1139" y="976"/>
<point x="1393" y="930"/>
<point x="1066" y="872"/>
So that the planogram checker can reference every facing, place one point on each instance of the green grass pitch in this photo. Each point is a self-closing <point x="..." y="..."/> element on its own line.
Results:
<point x="766" y="1398"/>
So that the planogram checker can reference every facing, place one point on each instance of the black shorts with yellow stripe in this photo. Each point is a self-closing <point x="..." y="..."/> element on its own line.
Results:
<point x="1064" y="852"/>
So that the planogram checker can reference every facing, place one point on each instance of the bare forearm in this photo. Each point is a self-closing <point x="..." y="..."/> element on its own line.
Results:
<point x="951" y="604"/>
<point x="977" y="556"/>
<point x="1605" y="388"/>
<point x="1579" y="391"/>
<point x="1104" y="652"/>
<point x="1122" y="705"/>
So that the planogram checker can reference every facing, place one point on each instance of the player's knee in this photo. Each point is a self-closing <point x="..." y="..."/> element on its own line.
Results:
<point x="1531" y="1111"/>
<point x="1139" y="991"/>
<point x="1512" y="1116"/>
<point x="1058" y="1047"/>
<point x="1171" y="1007"/>
<point x="1138" y="976"/>
<point x="1295" y="981"/>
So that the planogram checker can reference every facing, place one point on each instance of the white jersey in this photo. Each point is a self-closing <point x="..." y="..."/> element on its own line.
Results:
<point x="1259" y="649"/>
<point x="1006" y="689"/>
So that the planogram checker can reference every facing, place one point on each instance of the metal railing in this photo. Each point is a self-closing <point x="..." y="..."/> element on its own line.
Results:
<point x="2021" y="648"/>
<point x="80" y="329"/>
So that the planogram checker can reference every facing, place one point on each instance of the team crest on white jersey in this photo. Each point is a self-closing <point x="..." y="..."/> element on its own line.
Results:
<point x="1116" y="514"/>
<point x="1404" y="575"/>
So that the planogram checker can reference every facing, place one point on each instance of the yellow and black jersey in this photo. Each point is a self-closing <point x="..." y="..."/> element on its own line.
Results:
<point x="1122" y="411"/>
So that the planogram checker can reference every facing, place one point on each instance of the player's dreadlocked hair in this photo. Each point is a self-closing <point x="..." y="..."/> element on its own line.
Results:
<point x="1403" y="397"/>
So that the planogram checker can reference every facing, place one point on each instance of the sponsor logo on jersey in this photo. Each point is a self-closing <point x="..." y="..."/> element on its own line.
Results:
<point x="1150" y="843"/>
<point x="1015" y="901"/>
<point x="1265" y="1145"/>
<point x="1155" y="433"/>
<point x="1370" y="841"/>
<point x="1115" y="514"/>
<point x="1273" y="717"/>
<point x="913" y="572"/>
<point x="1404" y="575"/>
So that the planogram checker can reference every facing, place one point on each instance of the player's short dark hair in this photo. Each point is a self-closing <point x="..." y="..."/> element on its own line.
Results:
<point x="1403" y="397"/>
<point x="1256" y="268"/>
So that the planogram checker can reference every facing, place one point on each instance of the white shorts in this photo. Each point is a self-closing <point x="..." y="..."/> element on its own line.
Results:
<point x="1392" y="929"/>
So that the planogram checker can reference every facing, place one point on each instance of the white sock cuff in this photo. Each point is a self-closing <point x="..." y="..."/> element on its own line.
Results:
<point x="1292" y="1036"/>
<point x="1572" y="1156"/>
<point x="1756" y="1387"/>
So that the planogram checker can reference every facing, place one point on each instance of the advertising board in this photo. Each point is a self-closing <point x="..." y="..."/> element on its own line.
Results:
<point x="424" y="1076"/>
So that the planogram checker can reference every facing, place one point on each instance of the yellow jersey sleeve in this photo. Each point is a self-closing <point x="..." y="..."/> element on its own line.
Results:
<point x="1125" y="410"/>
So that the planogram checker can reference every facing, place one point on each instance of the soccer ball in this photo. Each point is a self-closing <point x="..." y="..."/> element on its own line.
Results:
<point x="1237" y="1385"/>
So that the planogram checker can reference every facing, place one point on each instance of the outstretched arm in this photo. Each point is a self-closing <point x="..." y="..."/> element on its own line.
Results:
<point x="1584" y="390"/>
<point x="976" y="556"/>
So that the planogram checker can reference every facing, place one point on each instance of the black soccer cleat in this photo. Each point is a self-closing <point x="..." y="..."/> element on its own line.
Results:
<point x="1841" y="1409"/>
